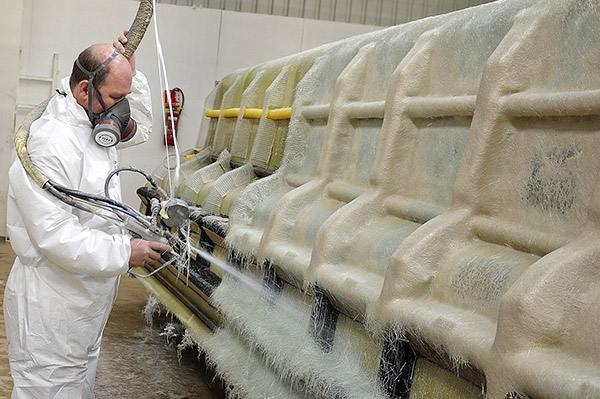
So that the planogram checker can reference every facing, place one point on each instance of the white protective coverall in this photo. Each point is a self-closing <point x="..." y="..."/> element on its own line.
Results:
<point x="64" y="281"/>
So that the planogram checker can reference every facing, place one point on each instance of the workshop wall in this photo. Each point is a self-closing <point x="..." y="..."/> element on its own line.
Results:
<point x="10" y="36"/>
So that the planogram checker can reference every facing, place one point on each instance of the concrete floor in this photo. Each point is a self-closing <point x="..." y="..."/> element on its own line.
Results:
<point x="135" y="360"/>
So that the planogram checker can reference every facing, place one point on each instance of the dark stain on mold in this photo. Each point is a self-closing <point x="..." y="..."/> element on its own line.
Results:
<point x="552" y="183"/>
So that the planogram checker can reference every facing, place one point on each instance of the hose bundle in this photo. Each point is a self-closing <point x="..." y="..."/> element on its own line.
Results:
<point x="21" y="144"/>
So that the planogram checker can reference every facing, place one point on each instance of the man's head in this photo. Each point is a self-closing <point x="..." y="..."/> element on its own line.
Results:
<point x="110" y="83"/>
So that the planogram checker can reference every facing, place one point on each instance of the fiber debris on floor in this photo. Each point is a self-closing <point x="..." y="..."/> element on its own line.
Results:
<point x="136" y="361"/>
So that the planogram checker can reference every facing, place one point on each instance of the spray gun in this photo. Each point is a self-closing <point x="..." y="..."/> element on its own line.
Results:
<point x="172" y="212"/>
<point x="163" y="214"/>
<point x="164" y="217"/>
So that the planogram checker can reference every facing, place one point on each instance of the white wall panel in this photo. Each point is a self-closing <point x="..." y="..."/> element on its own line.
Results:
<point x="10" y="38"/>
<point x="251" y="39"/>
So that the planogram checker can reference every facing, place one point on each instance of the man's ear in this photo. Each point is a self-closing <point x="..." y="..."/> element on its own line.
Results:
<point x="80" y="92"/>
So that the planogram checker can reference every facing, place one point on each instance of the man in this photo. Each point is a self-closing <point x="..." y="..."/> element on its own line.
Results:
<point x="64" y="281"/>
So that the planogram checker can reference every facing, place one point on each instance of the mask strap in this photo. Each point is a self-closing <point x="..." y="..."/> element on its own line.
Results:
<point x="92" y="84"/>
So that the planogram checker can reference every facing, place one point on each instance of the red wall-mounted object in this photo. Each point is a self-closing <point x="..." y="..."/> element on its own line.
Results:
<point x="177" y="99"/>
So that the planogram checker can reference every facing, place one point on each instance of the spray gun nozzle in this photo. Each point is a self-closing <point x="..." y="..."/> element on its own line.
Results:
<point x="175" y="212"/>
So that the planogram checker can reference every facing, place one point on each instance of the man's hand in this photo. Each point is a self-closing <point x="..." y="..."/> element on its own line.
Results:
<point x="146" y="252"/>
<point x="119" y="46"/>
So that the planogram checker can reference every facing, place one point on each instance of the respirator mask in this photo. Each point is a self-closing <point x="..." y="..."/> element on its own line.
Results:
<point x="113" y="125"/>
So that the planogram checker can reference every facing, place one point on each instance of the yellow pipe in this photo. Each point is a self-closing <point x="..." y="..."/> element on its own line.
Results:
<point x="231" y="112"/>
<point x="212" y="113"/>
<point x="253" y="113"/>
<point x="281" y="113"/>
<point x="190" y="156"/>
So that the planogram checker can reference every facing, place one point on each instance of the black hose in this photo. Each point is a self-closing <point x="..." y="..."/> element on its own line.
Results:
<point x="91" y="198"/>
<point x="130" y="169"/>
